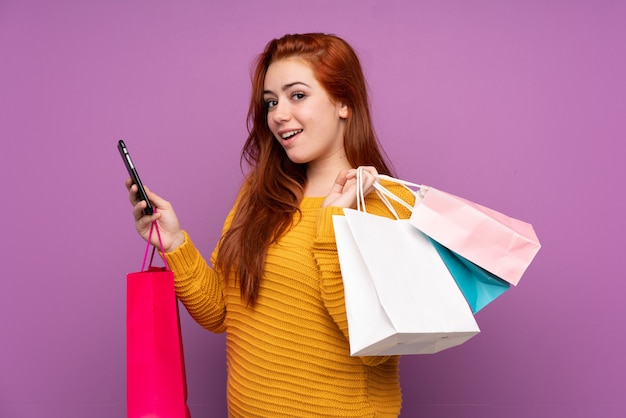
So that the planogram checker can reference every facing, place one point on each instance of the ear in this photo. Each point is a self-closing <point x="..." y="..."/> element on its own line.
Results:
<point x="343" y="111"/>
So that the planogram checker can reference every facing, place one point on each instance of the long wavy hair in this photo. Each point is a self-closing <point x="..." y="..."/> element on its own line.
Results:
<point x="273" y="189"/>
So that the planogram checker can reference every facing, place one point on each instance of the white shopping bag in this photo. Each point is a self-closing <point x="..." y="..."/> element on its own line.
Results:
<point x="400" y="297"/>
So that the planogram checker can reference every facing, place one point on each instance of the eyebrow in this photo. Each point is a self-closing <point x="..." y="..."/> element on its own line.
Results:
<point x="287" y="87"/>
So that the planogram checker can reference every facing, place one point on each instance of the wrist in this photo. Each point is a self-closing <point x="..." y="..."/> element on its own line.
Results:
<point x="177" y="241"/>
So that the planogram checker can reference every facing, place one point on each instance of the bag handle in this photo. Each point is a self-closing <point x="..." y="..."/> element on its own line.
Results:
<point x="420" y="193"/>
<point x="385" y="194"/>
<point x="360" y="194"/>
<point x="360" y="198"/>
<point x="153" y="226"/>
<point x="405" y="183"/>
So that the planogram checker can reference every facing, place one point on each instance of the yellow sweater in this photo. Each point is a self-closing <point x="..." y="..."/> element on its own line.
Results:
<point x="289" y="356"/>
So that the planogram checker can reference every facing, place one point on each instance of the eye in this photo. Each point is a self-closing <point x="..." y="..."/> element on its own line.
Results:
<point x="298" y="95"/>
<point x="270" y="103"/>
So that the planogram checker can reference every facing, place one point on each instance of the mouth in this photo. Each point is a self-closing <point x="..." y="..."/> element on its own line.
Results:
<point x="290" y="134"/>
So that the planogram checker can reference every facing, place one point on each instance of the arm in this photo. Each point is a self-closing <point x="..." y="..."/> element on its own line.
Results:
<point x="325" y="253"/>
<point x="198" y="286"/>
<point x="331" y="283"/>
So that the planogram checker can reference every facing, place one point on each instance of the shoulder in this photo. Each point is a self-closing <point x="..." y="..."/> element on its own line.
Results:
<point x="375" y="204"/>
<point x="401" y="191"/>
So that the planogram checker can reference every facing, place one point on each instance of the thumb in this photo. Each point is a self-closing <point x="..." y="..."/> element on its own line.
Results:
<point x="156" y="200"/>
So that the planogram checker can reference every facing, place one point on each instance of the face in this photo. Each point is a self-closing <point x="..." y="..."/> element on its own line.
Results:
<point x="304" y="119"/>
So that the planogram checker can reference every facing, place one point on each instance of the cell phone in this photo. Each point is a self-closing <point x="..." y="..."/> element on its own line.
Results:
<point x="132" y="171"/>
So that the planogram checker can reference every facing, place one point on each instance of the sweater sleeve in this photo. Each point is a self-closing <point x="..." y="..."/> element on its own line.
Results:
<point x="198" y="286"/>
<point x="325" y="252"/>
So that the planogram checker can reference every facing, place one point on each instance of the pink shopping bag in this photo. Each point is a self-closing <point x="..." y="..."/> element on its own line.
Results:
<point x="155" y="368"/>
<point x="496" y="242"/>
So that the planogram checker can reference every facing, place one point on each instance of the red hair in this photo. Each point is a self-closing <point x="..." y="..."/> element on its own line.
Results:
<point x="272" y="191"/>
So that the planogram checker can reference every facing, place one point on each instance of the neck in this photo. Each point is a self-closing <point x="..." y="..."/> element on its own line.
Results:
<point x="320" y="177"/>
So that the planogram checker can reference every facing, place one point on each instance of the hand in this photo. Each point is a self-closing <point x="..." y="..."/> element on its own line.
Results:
<point x="343" y="192"/>
<point x="171" y="234"/>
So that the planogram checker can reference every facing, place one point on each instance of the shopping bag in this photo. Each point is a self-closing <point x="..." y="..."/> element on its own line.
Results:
<point x="500" y="244"/>
<point x="155" y="368"/>
<point x="400" y="297"/>
<point x="479" y="286"/>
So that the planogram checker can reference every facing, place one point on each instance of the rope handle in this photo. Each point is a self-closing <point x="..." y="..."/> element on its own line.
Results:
<point x="385" y="194"/>
<point x="404" y="183"/>
<point x="153" y="226"/>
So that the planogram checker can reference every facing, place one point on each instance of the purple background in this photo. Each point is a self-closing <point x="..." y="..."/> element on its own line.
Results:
<point x="518" y="105"/>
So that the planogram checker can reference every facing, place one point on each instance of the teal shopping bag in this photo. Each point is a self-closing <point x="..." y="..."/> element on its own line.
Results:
<point x="479" y="286"/>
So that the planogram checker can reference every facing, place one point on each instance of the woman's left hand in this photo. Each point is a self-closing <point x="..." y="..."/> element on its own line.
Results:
<point x="343" y="192"/>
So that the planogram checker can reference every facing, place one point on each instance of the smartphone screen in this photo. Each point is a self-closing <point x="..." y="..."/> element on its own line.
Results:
<point x="132" y="171"/>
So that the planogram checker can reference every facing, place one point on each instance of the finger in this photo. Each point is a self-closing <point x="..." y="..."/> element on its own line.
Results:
<point x="340" y="181"/>
<point x="157" y="200"/>
<point x="369" y="176"/>
<point x="372" y="171"/>
<point x="369" y="170"/>
<point x="351" y="173"/>
<point x="138" y="210"/>
<point x="132" y="194"/>
<point x="142" y="220"/>
<point x="369" y="181"/>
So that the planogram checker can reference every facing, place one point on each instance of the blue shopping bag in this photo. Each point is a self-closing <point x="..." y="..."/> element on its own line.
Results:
<point x="479" y="286"/>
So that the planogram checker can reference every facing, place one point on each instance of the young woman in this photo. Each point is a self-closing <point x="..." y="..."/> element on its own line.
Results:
<point x="274" y="283"/>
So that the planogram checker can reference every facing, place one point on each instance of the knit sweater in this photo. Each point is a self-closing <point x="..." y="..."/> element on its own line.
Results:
<point x="289" y="354"/>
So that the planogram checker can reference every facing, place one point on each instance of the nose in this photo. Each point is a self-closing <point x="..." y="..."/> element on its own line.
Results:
<point x="280" y="112"/>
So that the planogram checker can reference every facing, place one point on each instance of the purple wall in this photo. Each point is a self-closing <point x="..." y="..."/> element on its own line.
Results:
<point x="518" y="105"/>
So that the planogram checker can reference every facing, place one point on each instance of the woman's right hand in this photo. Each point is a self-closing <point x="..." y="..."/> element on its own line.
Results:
<point x="171" y="234"/>
<point x="343" y="193"/>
